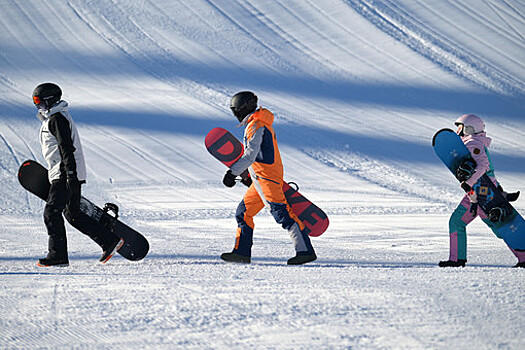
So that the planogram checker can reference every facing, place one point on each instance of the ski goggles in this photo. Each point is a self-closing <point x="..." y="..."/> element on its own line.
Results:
<point x="40" y="103"/>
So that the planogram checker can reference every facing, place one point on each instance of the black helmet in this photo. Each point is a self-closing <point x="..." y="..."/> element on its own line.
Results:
<point x="46" y="95"/>
<point x="243" y="103"/>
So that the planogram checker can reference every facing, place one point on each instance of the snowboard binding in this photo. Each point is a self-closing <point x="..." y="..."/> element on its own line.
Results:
<point x="465" y="170"/>
<point x="111" y="207"/>
<point x="497" y="214"/>
<point x="294" y="185"/>
<point x="110" y="220"/>
<point x="510" y="196"/>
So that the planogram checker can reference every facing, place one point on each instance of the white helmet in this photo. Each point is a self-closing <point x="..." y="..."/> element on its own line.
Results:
<point x="469" y="124"/>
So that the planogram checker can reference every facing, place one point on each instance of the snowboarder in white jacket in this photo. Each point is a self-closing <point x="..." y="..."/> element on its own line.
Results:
<point x="62" y="151"/>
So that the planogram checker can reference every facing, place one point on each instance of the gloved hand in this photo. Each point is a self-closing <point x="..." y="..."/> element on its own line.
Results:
<point x="247" y="181"/>
<point x="229" y="179"/>
<point x="73" y="190"/>
<point x="473" y="208"/>
<point x="472" y="196"/>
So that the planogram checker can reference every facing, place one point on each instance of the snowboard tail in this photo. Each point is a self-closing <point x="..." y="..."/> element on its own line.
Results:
<point x="93" y="219"/>
<point x="314" y="219"/>
<point x="228" y="149"/>
<point x="449" y="147"/>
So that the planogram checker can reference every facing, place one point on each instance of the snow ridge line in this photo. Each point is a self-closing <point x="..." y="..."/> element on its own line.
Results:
<point x="501" y="8"/>
<point x="124" y="35"/>
<point x="146" y="157"/>
<point x="363" y="40"/>
<point x="304" y="48"/>
<point x="372" y="171"/>
<point x="421" y="40"/>
<point x="11" y="151"/>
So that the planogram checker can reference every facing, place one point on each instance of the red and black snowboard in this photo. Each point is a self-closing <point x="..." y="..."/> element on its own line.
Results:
<point x="33" y="177"/>
<point x="228" y="149"/>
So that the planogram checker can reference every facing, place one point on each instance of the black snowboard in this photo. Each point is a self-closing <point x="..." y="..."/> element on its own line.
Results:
<point x="33" y="177"/>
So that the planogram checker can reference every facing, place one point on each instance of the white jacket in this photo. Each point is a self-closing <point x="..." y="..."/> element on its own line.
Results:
<point x="56" y="141"/>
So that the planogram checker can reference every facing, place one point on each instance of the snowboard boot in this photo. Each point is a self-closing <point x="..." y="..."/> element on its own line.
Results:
<point x="111" y="250"/>
<point x="520" y="264"/>
<point x="302" y="258"/>
<point x="50" y="262"/>
<point x="450" y="263"/>
<point x="236" y="258"/>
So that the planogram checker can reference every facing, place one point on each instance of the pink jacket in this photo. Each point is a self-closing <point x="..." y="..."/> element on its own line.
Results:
<point x="476" y="144"/>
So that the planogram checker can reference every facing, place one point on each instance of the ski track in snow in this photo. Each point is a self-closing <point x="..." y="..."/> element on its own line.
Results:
<point x="179" y="294"/>
<point x="146" y="80"/>
<point x="385" y="176"/>
<point x="392" y="19"/>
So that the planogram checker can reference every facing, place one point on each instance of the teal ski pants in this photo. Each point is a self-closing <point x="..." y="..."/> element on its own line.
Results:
<point x="458" y="222"/>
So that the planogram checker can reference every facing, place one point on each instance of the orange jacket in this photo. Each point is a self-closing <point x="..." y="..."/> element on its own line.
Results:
<point x="261" y="150"/>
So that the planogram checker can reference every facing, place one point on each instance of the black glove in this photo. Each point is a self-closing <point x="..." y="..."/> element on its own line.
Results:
<point x="466" y="187"/>
<point x="229" y="179"/>
<point x="73" y="190"/>
<point x="246" y="180"/>
<point x="473" y="208"/>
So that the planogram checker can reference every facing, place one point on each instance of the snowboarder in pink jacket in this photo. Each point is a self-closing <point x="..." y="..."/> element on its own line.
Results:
<point x="471" y="128"/>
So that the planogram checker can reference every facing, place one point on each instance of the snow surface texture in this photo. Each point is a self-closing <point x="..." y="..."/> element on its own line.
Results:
<point x="358" y="88"/>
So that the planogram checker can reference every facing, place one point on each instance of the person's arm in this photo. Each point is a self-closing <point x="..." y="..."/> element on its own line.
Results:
<point x="253" y="147"/>
<point x="477" y="150"/>
<point x="60" y="128"/>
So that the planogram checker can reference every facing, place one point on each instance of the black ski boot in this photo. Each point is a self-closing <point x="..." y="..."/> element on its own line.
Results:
<point x="49" y="262"/>
<point x="236" y="258"/>
<point x="302" y="258"/>
<point x="520" y="264"/>
<point x="111" y="250"/>
<point x="450" y="263"/>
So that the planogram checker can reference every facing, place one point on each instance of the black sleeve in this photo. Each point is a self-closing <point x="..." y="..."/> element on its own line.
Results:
<point x="60" y="128"/>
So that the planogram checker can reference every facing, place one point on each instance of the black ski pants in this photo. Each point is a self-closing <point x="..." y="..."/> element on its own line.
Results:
<point x="56" y="205"/>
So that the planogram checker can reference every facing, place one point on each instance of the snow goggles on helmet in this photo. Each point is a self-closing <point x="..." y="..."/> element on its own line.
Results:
<point x="40" y="103"/>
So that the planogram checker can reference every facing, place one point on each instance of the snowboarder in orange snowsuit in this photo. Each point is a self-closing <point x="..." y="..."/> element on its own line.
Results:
<point x="262" y="161"/>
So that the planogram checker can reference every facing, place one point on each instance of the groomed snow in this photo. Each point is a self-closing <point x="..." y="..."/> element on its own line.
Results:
<point x="358" y="89"/>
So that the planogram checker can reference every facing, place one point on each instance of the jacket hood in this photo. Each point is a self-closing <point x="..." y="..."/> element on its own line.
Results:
<point x="58" y="107"/>
<point x="261" y="115"/>
<point x="480" y="137"/>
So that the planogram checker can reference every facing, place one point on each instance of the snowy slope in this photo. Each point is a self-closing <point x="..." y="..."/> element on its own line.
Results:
<point x="358" y="89"/>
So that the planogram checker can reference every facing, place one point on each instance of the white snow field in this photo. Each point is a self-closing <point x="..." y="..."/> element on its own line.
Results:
<point x="358" y="88"/>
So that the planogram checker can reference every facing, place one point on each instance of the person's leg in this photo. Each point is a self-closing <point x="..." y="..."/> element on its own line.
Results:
<point x="458" y="222"/>
<point x="247" y="209"/>
<point x="54" y="222"/>
<point x="283" y="214"/>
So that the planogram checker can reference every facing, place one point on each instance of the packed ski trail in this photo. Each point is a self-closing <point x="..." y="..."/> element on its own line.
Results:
<point x="358" y="89"/>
